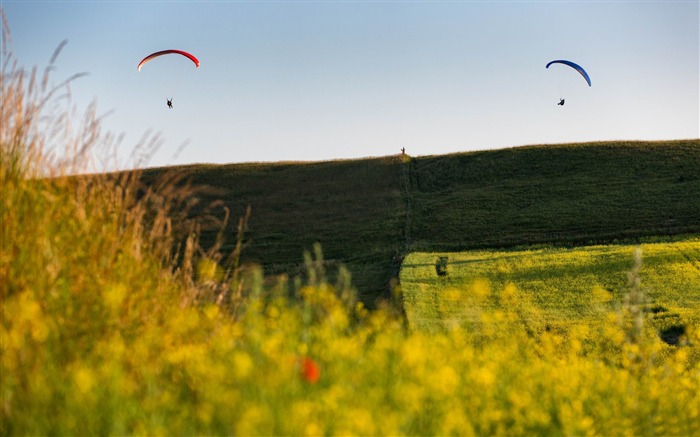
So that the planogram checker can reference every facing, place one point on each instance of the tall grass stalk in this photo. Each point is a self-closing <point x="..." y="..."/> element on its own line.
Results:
<point x="632" y="313"/>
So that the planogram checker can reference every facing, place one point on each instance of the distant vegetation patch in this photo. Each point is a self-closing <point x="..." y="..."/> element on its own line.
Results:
<point x="554" y="287"/>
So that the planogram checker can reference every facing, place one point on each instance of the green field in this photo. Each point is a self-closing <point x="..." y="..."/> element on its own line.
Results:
<point x="554" y="287"/>
<point x="355" y="209"/>
<point x="572" y="193"/>
<point x="369" y="213"/>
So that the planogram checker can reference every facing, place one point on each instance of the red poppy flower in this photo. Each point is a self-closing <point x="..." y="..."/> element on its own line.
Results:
<point x="309" y="371"/>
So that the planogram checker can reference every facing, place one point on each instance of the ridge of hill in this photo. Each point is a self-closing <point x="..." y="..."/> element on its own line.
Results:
<point x="368" y="213"/>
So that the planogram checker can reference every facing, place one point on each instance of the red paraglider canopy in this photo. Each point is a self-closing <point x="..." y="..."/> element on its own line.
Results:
<point x="167" y="52"/>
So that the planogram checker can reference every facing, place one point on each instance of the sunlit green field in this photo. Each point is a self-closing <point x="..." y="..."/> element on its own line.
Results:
<point x="555" y="287"/>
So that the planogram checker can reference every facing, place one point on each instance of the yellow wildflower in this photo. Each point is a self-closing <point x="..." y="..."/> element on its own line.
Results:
<point x="84" y="379"/>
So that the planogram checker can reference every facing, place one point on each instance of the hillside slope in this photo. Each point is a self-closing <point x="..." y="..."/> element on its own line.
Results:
<point x="355" y="209"/>
<point x="368" y="213"/>
<point x="577" y="193"/>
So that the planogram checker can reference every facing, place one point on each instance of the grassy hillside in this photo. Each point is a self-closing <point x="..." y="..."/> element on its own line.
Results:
<point x="368" y="213"/>
<point x="577" y="193"/>
<point x="554" y="287"/>
<point x="355" y="209"/>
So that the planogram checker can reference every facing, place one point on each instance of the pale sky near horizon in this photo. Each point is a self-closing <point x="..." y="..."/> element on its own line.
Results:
<point x="321" y="80"/>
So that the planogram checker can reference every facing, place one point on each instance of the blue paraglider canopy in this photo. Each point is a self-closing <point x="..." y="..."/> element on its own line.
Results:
<point x="574" y="66"/>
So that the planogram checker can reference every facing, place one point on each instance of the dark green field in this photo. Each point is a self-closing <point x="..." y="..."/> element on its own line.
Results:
<point x="355" y="209"/>
<point x="367" y="214"/>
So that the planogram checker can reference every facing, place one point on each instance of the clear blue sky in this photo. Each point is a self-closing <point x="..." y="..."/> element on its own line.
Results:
<point x="320" y="80"/>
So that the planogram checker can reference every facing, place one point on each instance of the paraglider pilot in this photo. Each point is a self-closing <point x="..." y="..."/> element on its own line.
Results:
<point x="561" y="102"/>
<point x="170" y="103"/>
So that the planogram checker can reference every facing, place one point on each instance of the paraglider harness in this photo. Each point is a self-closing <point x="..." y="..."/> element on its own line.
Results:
<point x="170" y="103"/>
<point x="561" y="102"/>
